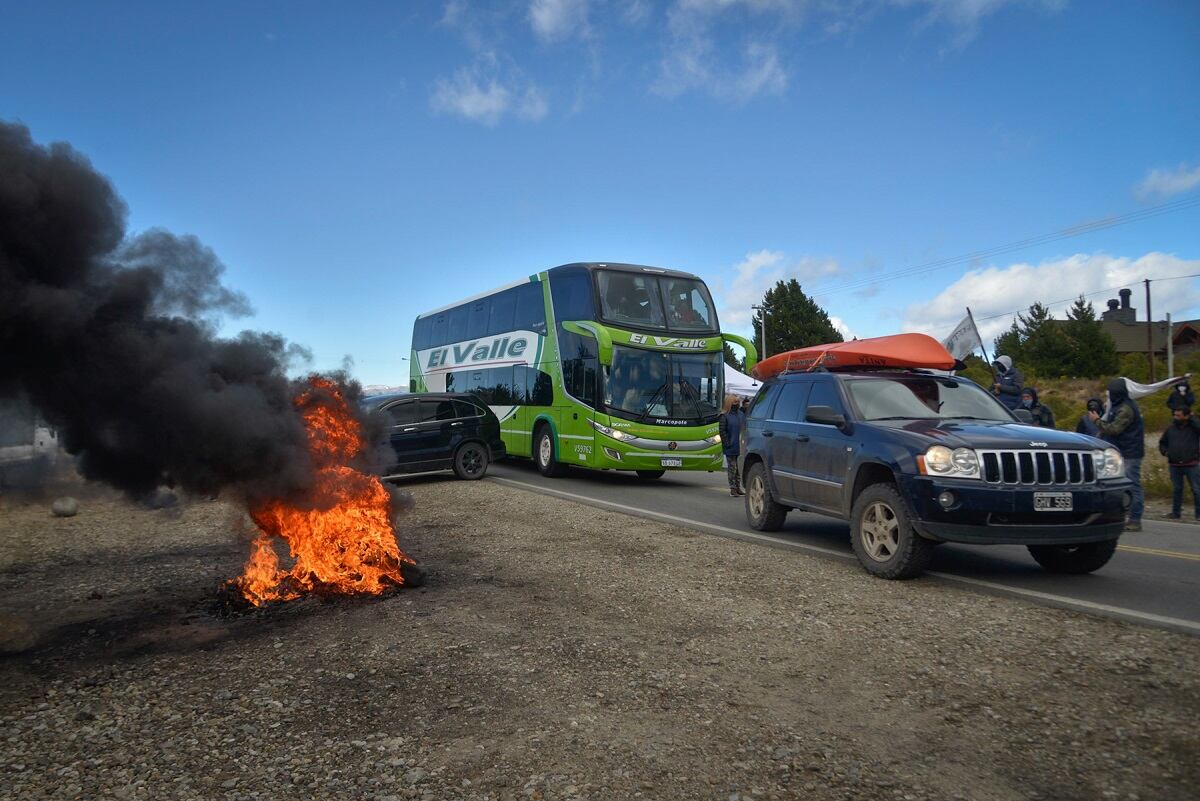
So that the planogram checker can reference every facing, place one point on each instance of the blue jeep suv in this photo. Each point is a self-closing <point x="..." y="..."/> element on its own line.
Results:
<point x="912" y="459"/>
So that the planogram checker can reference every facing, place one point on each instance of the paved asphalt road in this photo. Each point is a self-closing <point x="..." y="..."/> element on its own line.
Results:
<point x="1153" y="579"/>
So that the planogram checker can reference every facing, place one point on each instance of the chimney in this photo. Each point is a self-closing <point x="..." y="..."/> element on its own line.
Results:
<point x="1125" y="295"/>
<point x="1113" y="303"/>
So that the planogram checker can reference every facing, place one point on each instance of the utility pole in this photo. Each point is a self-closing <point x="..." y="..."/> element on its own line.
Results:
<point x="1170" y="349"/>
<point x="762" y="320"/>
<point x="1149" y="332"/>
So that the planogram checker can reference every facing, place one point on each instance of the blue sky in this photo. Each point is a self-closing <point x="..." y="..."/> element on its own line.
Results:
<point x="356" y="164"/>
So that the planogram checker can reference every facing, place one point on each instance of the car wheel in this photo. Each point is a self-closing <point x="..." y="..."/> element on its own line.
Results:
<point x="543" y="454"/>
<point x="1083" y="558"/>
<point x="471" y="461"/>
<point x="884" y="541"/>
<point x="650" y="475"/>
<point x="763" y="512"/>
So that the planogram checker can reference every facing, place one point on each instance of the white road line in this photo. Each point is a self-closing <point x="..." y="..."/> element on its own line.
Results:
<point x="1190" y="626"/>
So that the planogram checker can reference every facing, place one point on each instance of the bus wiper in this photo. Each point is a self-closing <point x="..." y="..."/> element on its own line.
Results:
<point x="653" y="398"/>
<point x="691" y="393"/>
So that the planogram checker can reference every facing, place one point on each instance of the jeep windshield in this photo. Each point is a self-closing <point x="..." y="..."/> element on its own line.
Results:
<point x="655" y="386"/>
<point x="909" y="397"/>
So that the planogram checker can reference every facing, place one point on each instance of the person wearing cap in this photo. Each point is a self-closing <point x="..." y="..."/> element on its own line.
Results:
<point x="1043" y="416"/>
<point x="1123" y="428"/>
<point x="1008" y="382"/>
<point x="1085" y="424"/>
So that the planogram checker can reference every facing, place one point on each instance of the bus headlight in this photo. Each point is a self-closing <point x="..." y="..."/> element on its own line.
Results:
<point x="941" y="461"/>
<point x="610" y="432"/>
<point x="715" y="439"/>
<point x="1109" y="463"/>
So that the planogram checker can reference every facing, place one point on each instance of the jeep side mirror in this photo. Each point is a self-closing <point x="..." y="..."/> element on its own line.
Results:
<point x="1024" y="415"/>
<point x="825" y="416"/>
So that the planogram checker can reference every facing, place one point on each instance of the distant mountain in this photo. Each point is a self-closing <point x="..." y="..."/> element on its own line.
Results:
<point x="383" y="389"/>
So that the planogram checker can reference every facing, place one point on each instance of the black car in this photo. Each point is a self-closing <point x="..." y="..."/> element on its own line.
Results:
<point x="912" y="458"/>
<point x="439" y="431"/>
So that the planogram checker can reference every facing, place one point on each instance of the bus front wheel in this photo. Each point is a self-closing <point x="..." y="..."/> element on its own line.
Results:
<point x="543" y="454"/>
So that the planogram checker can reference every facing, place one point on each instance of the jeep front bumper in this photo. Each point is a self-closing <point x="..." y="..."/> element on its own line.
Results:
<point x="986" y="514"/>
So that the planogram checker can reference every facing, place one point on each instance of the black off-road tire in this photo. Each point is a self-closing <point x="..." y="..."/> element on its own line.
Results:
<point x="471" y="461"/>
<point x="650" y="475"/>
<point x="763" y="512"/>
<point x="884" y="541"/>
<point x="1075" y="559"/>
<point x="543" y="454"/>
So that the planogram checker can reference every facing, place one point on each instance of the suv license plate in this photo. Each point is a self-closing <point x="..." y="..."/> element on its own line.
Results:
<point x="1052" y="502"/>
<point x="672" y="463"/>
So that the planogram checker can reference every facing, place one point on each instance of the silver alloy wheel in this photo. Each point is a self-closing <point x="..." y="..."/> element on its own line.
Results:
<point x="880" y="532"/>
<point x="545" y="451"/>
<point x="757" y="497"/>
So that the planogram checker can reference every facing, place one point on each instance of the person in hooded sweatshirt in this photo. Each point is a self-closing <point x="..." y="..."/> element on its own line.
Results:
<point x="1085" y="424"/>
<point x="1123" y="428"/>
<point x="1180" y="443"/>
<point x="1181" y="397"/>
<point x="1043" y="416"/>
<point x="730" y="427"/>
<point x="1008" y="382"/>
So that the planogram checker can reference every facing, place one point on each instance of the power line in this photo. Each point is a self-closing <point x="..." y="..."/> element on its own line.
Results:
<point x="1071" y="232"/>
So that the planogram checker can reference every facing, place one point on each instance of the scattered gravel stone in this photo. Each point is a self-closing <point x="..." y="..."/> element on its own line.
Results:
<point x="65" y="507"/>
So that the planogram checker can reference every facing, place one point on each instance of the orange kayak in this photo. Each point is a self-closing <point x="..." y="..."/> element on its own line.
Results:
<point x="898" y="350"/>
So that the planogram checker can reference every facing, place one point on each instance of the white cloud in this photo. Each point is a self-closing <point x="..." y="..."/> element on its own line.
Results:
<point x="1002" y="290"/>
<point x="480" y="94"/>
<point x="757" y="273"/>
<point x="693" y="61"/>
<point x="965" y="17"/>
<point x="840" y="325"/>
<point x="1165" y="182"/>
<point x="556" y="20"/>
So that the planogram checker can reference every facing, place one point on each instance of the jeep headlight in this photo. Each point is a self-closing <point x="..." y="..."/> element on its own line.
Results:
<point x="958" y="463"/>
<point x="1109" y="463"/>
<point x="610" y="432"/>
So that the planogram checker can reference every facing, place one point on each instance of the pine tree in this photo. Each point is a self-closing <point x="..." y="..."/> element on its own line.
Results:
<point x="794" y="320"/>
<point x="733" y="360"/>
<point x="1093" y="351"/>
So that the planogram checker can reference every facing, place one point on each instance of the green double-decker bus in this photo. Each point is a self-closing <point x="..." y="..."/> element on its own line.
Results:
<point x="602" y="366"/>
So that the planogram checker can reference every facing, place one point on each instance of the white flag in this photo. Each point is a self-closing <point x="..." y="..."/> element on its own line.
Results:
<point x="963" y="340"/>
<point x="1137" y="390"/>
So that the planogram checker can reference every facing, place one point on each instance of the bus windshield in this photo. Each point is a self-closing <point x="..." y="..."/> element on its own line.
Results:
<point x="651" y="301"/>
<point x="674" y="386"/>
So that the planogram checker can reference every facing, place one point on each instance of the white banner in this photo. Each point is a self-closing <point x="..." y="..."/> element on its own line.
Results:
<point x="1137" y="390"/>
<point x="963" y="340"/>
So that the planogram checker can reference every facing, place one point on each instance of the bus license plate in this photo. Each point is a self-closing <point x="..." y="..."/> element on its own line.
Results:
<point x="672" y="463"/>
<point x="1052" y="502"/>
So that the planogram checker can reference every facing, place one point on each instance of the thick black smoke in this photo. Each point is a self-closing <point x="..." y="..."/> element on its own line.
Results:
<point x="113" y="339"/>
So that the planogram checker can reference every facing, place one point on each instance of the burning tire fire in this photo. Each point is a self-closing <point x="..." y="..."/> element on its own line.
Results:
<point x="341" y="535"/>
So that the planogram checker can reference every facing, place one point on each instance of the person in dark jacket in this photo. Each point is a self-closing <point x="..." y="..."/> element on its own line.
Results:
<point x="1180" y="443"/>
<point x="1043" y="416"/>
<point x="1181" y="396"/>
<point x="730" y="428"/>
<point x="1122" y="427"/>
<point x="1008" y="382"/>
<point x="1086" y="425"/>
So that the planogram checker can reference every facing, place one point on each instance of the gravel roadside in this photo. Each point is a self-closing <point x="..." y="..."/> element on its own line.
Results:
<point x="561" y="652"/>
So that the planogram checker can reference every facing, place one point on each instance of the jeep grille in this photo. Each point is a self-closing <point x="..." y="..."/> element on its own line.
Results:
<point x="1037" y="467"/>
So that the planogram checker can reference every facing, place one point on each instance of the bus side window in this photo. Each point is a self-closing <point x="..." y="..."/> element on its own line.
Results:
<point x="459" y="317"/>
<point x="504" y="305"/>
<point x="531" y="309"/>
<point x="539" y="390"/>
<point x="477" y="323"/>
<point x="440" y="331"/>
<point x="421" y="331"/>
<point x="572" y="295"/>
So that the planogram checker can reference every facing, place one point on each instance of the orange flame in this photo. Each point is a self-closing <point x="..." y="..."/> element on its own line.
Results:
<point x="342" y="539"/>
